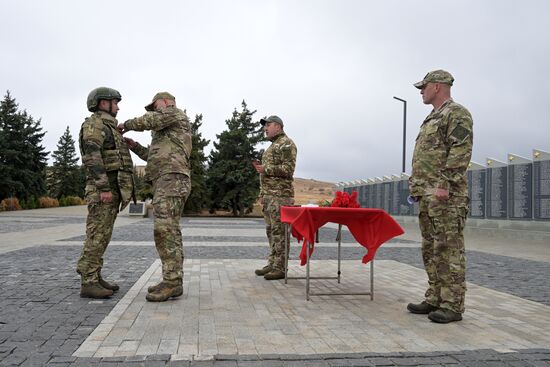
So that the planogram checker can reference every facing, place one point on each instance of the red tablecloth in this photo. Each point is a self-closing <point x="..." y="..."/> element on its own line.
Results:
<point x="370" y="227"/>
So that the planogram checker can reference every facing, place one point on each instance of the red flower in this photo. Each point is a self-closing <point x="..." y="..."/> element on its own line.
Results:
<point x="344" y="200"/>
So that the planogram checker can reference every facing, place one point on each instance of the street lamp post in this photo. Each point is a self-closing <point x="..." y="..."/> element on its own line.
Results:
<point x="404" y="129"/>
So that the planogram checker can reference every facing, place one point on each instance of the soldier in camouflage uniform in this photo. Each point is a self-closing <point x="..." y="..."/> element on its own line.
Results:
<point x="168" y="169"/>
<point x="109" y="186"/>
<point x="438" y="181"/>
<point x="276" y="180"/>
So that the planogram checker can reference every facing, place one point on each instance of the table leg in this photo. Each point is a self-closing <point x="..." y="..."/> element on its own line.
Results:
<point x="307" y="271"/>
<point x="286" y="253"/>
<point x="339" y="249"/>
<point x="372" y="279"/>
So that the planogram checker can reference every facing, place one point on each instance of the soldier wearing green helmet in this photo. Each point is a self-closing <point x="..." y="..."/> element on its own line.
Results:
<point x="109" y="186"/>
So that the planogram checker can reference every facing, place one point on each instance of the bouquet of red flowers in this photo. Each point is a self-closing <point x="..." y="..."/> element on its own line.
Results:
<point x="344" y="200"/>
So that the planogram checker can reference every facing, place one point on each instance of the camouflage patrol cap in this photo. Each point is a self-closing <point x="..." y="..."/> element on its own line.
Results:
<point x="272" y="118"/>
<point x="436" y="76"/>
<point x="159" y="95"/>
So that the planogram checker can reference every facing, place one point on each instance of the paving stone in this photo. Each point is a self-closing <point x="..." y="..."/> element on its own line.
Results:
<point x="65" y="359"/>
<point x="158" y="357"/>
<point x="339" y="362"/>
<point x="48" y="320"/>
<point x="381" y="361"/>
<point x="179" y="363"/>
<point x="272" y="363"/>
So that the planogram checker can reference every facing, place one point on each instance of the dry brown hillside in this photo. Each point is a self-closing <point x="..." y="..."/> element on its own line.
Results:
<point x="312" y="191"/>
<point x="307" y="191"/>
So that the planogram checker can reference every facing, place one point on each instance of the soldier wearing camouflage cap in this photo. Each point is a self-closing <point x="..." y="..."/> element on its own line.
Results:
<point x="168" y="170"/>
<point x="276" y="179"/>
<point x="439" y="183"/>
<point x="109" y="186"/>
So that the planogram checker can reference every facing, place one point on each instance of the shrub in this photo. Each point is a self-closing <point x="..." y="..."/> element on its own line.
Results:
<point x="30" y="203"/>
<point x="48" y="202"/>
<point x="71" y="200"/>
<point x="9" y="204"/>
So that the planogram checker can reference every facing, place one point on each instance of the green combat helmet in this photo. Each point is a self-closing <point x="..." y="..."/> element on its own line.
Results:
<point x="101" y="93"/>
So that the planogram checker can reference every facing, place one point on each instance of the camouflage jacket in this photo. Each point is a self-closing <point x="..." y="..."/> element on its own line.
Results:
<point x="105" y="156"/>
<point x="170" y="147"/>
<point x="442" y="152"/>
<point x="279" y="161"/>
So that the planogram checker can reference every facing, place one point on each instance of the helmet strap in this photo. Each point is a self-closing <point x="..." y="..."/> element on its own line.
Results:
<point x="111" y="108"/>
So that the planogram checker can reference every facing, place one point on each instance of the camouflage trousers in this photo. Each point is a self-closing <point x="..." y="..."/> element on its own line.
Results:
<point x="442" y="224"/>
<point x="170" y="191"/>
<point x="99" y="228"/>
<point x="275" y="230"/>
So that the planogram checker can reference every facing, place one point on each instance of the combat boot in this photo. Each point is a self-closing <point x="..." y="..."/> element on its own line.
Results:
<point x="444" y="316"/>
<point x="108" y="285"/>
<point x="164" y="291"/>
<point x="263" y="271"/>
<point x="154" y="288"/>
<point x="158" y="286"/>
<point x="94" y="290"/>
<point x="275" y="274"/>
<point x="423" y="308"/>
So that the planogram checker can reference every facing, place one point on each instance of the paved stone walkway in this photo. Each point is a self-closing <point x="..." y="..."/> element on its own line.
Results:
<point x="229" y="317"/>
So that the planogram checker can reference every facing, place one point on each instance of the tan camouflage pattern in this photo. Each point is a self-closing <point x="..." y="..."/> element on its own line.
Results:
<point x="443" y="151"/>
<point x="441" y="225"/>
<point x="99" y="228"/>
<point x="279" y="161"/>
<point x="170" y="147"/>
<point x="103" y="152"/>
<point x="436" y="76"/>
<point x="168" y="168"/>
<point x="276" y="190"/>
<point x="108" y="169"/>
<point x="441" y="156"/>
<point x="275" y="229"/>
<point x="170" y="191"/>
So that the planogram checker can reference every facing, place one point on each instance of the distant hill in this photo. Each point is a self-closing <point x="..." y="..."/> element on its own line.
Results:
<point x="306" y="190"/>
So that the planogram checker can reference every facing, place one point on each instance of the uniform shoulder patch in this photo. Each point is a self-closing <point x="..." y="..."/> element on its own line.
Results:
<point x="460" y="133"/>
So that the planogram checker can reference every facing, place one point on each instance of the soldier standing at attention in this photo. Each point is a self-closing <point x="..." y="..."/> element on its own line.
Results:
<point x="438" y="181"/>
<point x="276" y="181"/>
<point x="109" y="186"/>
<point x="168" y="169"/>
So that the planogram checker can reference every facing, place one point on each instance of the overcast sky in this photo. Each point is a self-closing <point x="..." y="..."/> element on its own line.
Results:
<point x="329" y="69"/>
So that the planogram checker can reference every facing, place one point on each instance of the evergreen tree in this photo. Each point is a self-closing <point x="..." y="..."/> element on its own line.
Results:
<point x="232" y="181"/>
<point x="198" y="198"/>
<point x="64" y="177"/>
<point x="142" y="188"/>
<point x="22" y="157"/>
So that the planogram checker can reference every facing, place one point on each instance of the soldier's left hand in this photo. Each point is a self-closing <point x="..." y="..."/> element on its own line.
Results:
<point x="130" y="142"/>
<point x="441" y="194"/>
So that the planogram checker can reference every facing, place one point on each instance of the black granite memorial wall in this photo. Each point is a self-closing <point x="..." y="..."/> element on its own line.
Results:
<point x="476" y="192"/>
<point x="520" y="191"/>
<point x="497" y="192"/>
<point x="541" y="189"/>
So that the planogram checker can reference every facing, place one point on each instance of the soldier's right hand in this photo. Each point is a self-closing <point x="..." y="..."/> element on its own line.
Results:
<point x="120" y="128"/>
<point x="106" y="197"/>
